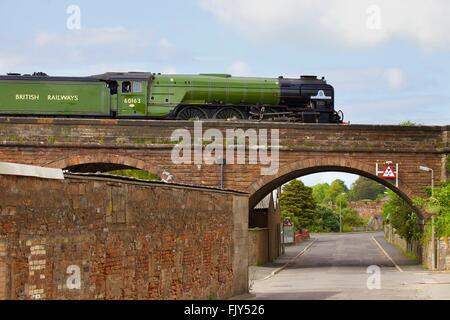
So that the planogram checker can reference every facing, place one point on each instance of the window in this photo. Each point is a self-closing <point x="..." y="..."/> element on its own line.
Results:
<point x="126" y="87"/>
<point x="137" y="86"/>
<point x="112" y="87"/>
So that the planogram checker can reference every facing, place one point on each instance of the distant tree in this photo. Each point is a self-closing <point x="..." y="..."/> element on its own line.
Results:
<point x="320" y="192"/>
<point x="337" y="188"/>
<point x="365" y="189"/>
<point x="408" y="124"/>
<point x="327" y="220"/>
<point x="350" y="218"/>
<point x="297" y="203"/>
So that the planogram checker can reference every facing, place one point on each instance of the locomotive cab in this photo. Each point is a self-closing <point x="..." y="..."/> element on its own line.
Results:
<point x="128" y="92"/>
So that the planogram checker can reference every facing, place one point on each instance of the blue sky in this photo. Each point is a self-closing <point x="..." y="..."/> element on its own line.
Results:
<point x="389" y="60"/>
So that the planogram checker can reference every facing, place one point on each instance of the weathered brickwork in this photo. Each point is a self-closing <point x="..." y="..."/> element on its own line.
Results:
<point x="368" y="208"/>
<point x="93" y="238"/>
<point x="3" y="271"/>
<point x="305" y="149"/>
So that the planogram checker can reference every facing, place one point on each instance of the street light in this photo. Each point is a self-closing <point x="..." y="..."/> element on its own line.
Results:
<point x="424" y="168"/>
<point x="340" y="211"/>
<point x="433" y="237"/>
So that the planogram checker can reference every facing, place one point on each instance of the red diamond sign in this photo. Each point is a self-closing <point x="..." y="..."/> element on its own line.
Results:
<point x="389" y="172"/>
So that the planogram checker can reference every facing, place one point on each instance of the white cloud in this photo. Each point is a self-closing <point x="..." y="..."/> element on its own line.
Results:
<point x="118" y="37"/>
<point x="87" y="51"/>
<point x="8" y="62"/>
<point x="169" y="70"/>
<point x="362" y="23"/>
<point x="365" y="81"/>
<point x="165" y="44"/>
<point x="201" y="58"/>
<point x="421" y="109"/>
<point x="239" y="68"/>
<point x="394" y="78"/>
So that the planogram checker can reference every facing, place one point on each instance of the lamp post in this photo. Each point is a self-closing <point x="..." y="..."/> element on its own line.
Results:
<point x="424" y="168"/>
<point x="433" y="237"/>
<point x="340" y="211"/>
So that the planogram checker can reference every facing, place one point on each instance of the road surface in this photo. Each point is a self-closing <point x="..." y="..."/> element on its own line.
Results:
<point x="350" y="266"/>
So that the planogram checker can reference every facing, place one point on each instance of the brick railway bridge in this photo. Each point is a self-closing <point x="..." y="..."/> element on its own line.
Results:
<point x="83" y="145"/>
<point x="115" y="239"/>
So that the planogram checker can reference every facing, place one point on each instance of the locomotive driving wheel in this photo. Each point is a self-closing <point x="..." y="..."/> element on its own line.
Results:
<point x="228" y="113"/>
<point x="191" y="113"/>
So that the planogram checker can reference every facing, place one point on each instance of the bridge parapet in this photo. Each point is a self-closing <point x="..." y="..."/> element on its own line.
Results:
<point x="113" y="133"/>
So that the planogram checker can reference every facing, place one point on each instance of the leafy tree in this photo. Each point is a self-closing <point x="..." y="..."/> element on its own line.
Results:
<point x="350" y="218"/>
<point x="337" y="188"/>
<point x="439" y="205"/>
<point x="320" y="192"/>
<point x="318" y="208"/>
<point x="408" y="124"/>
<point x="297" y="203"/>
<point x="399" y="214"/>
<point x="327" y="220"/>
<point x="365" y="189"/>
<point x="441" y="201"/>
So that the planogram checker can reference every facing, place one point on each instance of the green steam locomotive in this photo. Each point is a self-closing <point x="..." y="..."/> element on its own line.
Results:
<point x="156" y="96"/>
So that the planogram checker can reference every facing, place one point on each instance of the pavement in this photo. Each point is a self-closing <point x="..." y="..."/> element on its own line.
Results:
<point x="346" y="266"/>
<point x="271" y="268"/>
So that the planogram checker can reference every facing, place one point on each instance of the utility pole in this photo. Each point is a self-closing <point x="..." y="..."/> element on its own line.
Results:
<point x="433" y="235"/>
<point x="433" y="245"/>
<point x="340" y="211"/>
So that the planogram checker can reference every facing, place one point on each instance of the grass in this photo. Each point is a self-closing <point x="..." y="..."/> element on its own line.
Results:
<point x="410" y="255"/>
<point x="136" y="173"/>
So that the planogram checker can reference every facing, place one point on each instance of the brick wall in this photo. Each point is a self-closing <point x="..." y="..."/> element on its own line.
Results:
<point x="442" y="254"/>
<point x="368" y="208"/>
<point x="106" y="239"/>
<point x="258" y="246"/>
<point x="3" y="271"/>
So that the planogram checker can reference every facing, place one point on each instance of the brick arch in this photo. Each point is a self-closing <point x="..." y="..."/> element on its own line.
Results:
<point x="260" y="188"/>
<point x="104" y="158"/>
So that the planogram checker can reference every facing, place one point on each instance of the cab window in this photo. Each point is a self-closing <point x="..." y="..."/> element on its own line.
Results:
<point x="137" y="86"/>
<point x="112" y="85"/>
<point x="126" y="87"/>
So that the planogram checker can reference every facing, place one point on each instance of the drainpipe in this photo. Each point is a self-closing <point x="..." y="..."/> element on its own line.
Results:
<point x="222" y="162"/>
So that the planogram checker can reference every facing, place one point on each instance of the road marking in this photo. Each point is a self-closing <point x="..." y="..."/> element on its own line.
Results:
<point x="289" y="262"/>
<point x="387" y="255"/>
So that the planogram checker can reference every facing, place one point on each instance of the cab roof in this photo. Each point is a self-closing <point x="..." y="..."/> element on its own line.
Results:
<point x="123" y="76"/>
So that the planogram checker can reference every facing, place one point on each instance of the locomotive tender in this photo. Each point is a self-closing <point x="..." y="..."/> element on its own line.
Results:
<point x="156" y="96"/>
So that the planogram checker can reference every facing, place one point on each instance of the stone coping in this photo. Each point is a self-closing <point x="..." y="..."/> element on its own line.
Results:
<point x="209" y="122"/>
<point x="156" y="183"/>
